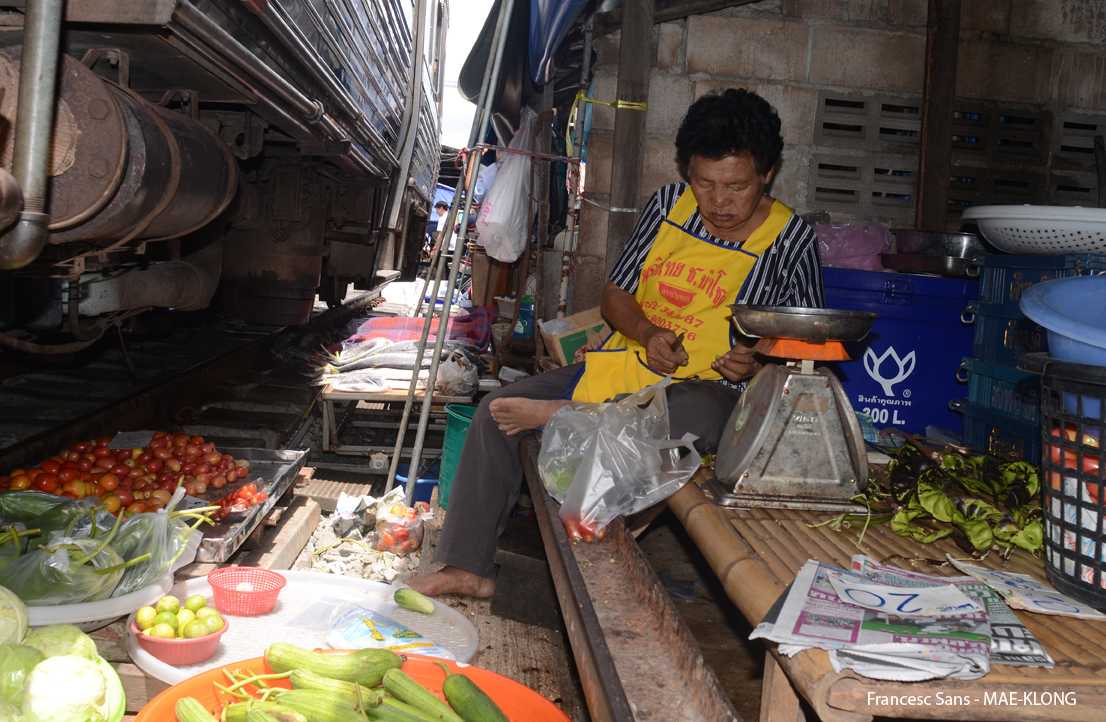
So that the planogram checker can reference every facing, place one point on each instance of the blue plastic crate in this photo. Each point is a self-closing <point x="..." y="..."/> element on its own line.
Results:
<point x="996" y="433"/>
<point x="1004" y="389"/>
<point x="1003" y="333"/>
<point x="904" y="374"/>
<point x="1005" y="277"/>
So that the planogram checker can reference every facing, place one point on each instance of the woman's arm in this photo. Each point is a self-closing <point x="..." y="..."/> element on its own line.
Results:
<point x="624" y="314"/>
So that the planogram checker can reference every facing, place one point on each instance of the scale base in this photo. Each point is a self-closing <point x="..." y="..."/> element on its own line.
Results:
<point x="724" y="497"/>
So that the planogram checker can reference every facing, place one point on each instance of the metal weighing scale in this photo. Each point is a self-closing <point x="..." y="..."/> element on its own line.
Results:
<point x="793" y="440"/>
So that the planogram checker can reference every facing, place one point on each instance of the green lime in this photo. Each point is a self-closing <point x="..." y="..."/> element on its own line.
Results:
<point x="214" y="624"/>
<point x="168" y="603"/>
<point x="184" y="616"/>
<point x="164" y="631"/>
<point x="169" y="618"/>
<point x="206" y="612"/>
<point x="195" y="603"/>
<point x="196" y="628"/>
<point x="144" y="617"/>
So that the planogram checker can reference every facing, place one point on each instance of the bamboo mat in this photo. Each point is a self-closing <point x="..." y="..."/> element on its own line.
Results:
<point x="756" y="554"/>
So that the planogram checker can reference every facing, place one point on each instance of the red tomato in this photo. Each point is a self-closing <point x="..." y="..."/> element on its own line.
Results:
<point x="50" y="466"/>
<point x="84" y="447"/>
<point x="241" y="472"/>
<point x="126" y="497"/>
<point x="49" y="483"/>
<point x="154" y="465"/>
<point x="100" y="452"/>
<point x="108" y="482"/>
<point x="85" y="466"/>
<point x="67" y="474"/>
<point x="196" y="441"/>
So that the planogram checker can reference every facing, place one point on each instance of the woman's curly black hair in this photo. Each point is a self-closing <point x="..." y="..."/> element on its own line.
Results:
<point x="732" y="122"/>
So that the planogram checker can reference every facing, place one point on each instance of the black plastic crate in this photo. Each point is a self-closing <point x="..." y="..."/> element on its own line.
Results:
<point x="1073" y="429"/>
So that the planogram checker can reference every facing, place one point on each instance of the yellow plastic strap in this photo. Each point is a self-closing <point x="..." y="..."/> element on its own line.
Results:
<point x="581" y="98"/>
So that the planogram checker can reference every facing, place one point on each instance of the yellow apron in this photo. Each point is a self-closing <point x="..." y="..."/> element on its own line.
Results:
<point x="687" y="285"/>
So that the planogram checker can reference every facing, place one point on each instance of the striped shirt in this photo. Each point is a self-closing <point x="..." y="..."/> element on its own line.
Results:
<point x="789" y="274"/>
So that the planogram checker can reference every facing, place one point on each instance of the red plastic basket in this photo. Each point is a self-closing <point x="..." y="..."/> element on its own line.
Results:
<point x="178" y="652"/>
<point x="259" y="597"/>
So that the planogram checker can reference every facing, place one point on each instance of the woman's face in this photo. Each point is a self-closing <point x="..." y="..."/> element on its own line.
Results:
<point x="727" y="189"/>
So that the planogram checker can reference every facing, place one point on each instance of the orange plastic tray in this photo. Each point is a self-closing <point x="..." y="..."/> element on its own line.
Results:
<point x="519" y="703"/>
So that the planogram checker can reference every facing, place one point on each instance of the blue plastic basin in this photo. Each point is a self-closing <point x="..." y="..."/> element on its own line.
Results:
<point x="1073" y="312"/>
<point x="424" y="486"/>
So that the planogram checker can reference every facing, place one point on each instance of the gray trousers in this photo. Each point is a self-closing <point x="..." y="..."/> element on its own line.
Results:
<point x="489" y="475"/>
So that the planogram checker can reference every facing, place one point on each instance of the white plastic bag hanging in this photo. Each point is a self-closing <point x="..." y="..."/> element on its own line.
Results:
<point x="606" y="460"/>
<point x="504" y="218"/>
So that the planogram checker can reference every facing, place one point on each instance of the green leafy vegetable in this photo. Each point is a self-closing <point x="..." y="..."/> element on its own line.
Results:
<point x="62" y="640"/>
<point x="16" y="663"/>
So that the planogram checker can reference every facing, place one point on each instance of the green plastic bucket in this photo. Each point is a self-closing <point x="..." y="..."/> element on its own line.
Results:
<point x="458" y="419"/>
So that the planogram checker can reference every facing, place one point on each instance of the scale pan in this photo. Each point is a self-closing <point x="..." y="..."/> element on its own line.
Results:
<point x="816" y="325"/>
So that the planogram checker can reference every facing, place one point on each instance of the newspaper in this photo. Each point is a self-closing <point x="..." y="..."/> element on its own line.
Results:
<point x="1024" y="592"/>
<point x="1011" y="642"/>
<point x="874" y="643"/>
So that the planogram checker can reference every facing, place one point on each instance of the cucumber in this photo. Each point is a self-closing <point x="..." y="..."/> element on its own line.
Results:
<point x="240" y="711"/>
<point x="410" y="599"/>
<point x="365" y="667"/>
<point x="470" y="701"/>
<point x="189" y="709"/>
<point x="411" y="692"/>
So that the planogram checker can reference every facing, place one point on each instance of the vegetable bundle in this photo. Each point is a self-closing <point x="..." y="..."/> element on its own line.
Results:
<point x="342" y="686"/>
<point x="70" y="552"/>
<point x="980" y="502"/>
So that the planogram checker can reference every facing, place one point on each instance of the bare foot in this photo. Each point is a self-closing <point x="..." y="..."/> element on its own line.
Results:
<point x="451" y="580"/>
<point x="515" y="415"/>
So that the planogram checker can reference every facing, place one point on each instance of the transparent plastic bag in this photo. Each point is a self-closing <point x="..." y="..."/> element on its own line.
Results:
<point x="399" y="528"/>
<point x="158" y="533"/>
<point x="613" y="459"/>
<point x="67" y="571"/>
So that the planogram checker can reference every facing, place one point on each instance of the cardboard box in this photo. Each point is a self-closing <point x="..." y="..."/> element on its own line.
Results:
<point x="564" y="337"/>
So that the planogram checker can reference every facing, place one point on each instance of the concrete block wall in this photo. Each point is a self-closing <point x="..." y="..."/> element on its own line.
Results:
<point x="1048" y="54"/>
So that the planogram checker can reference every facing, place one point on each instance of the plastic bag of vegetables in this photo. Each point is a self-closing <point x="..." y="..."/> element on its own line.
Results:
<point x="67" y="571"/>
<point x="160" y="537"/>
<point x="52" y="515"/>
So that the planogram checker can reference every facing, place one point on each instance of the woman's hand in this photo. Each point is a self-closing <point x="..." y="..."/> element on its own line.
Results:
<point x="663" y="351"/>
<point x="737" y="364"/>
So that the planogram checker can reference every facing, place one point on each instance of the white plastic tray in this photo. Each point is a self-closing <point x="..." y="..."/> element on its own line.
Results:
<point x="1041" y="230"/>
<point x="90" y="616"/>
<point x="302" y="617"/>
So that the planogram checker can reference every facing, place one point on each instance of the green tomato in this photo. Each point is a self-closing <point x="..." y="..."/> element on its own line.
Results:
<point x="168" y="603"/>
<point x="214" y="624"/>
<point x="206" y="612"/>
<point x="185" y="616"/>
<point x="166" y="618"/>
<point x="144" y="617"/>
<point x="195" y="603"/>
<point x="197" y="628"/>
<point x="164" y="631"/>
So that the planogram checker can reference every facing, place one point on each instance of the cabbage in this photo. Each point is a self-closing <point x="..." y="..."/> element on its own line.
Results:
<point x="16" y="663"/>
<point x="62" y="639"/>
<point x="9" y="713"/>
<point x="13" y="617"/>
<point x="68" y="688"/>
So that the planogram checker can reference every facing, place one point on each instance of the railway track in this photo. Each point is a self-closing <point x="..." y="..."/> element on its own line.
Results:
<point x="237" y="387"/>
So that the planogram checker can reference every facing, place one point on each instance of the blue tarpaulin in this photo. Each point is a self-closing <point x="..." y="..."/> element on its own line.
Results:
<point x="550" y="21"/>
<point x="444" y="194"/>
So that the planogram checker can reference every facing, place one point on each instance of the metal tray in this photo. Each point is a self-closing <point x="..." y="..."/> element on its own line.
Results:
<point x="816" y="325"/>
<point x="950" y="266"/>
<point x="277" y="469"/>
<point x="956" y="245"/>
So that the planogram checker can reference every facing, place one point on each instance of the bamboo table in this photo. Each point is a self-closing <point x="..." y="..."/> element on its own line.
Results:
<point x="756" y="554"/>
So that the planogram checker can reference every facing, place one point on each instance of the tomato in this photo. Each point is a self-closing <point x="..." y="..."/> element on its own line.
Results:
<point x="173" y="465"/>
<point x="154" y="465"/>
<point x="192" y="452"/>
<point x="126" y="497"/>
<point x="49" y="483"/>
<point x="108" y="482"/>
<point x="50" y="466"/>
<point x="208" y="447"/>
<point x="83" y="447"/>
<point x="100" y="452"/>
<point x="85" y="466"/>
<point x="136" y="508"/>
<point x="241" y="472"/>
<point x="196" y="441"/>
<point x="217" y="481"/>
<point x="20" y="482"/>
<point x="76" y="488"/>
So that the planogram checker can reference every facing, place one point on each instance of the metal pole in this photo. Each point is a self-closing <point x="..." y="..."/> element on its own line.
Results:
<point x="479" y="130"/>
<point x="34" y="130"/>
